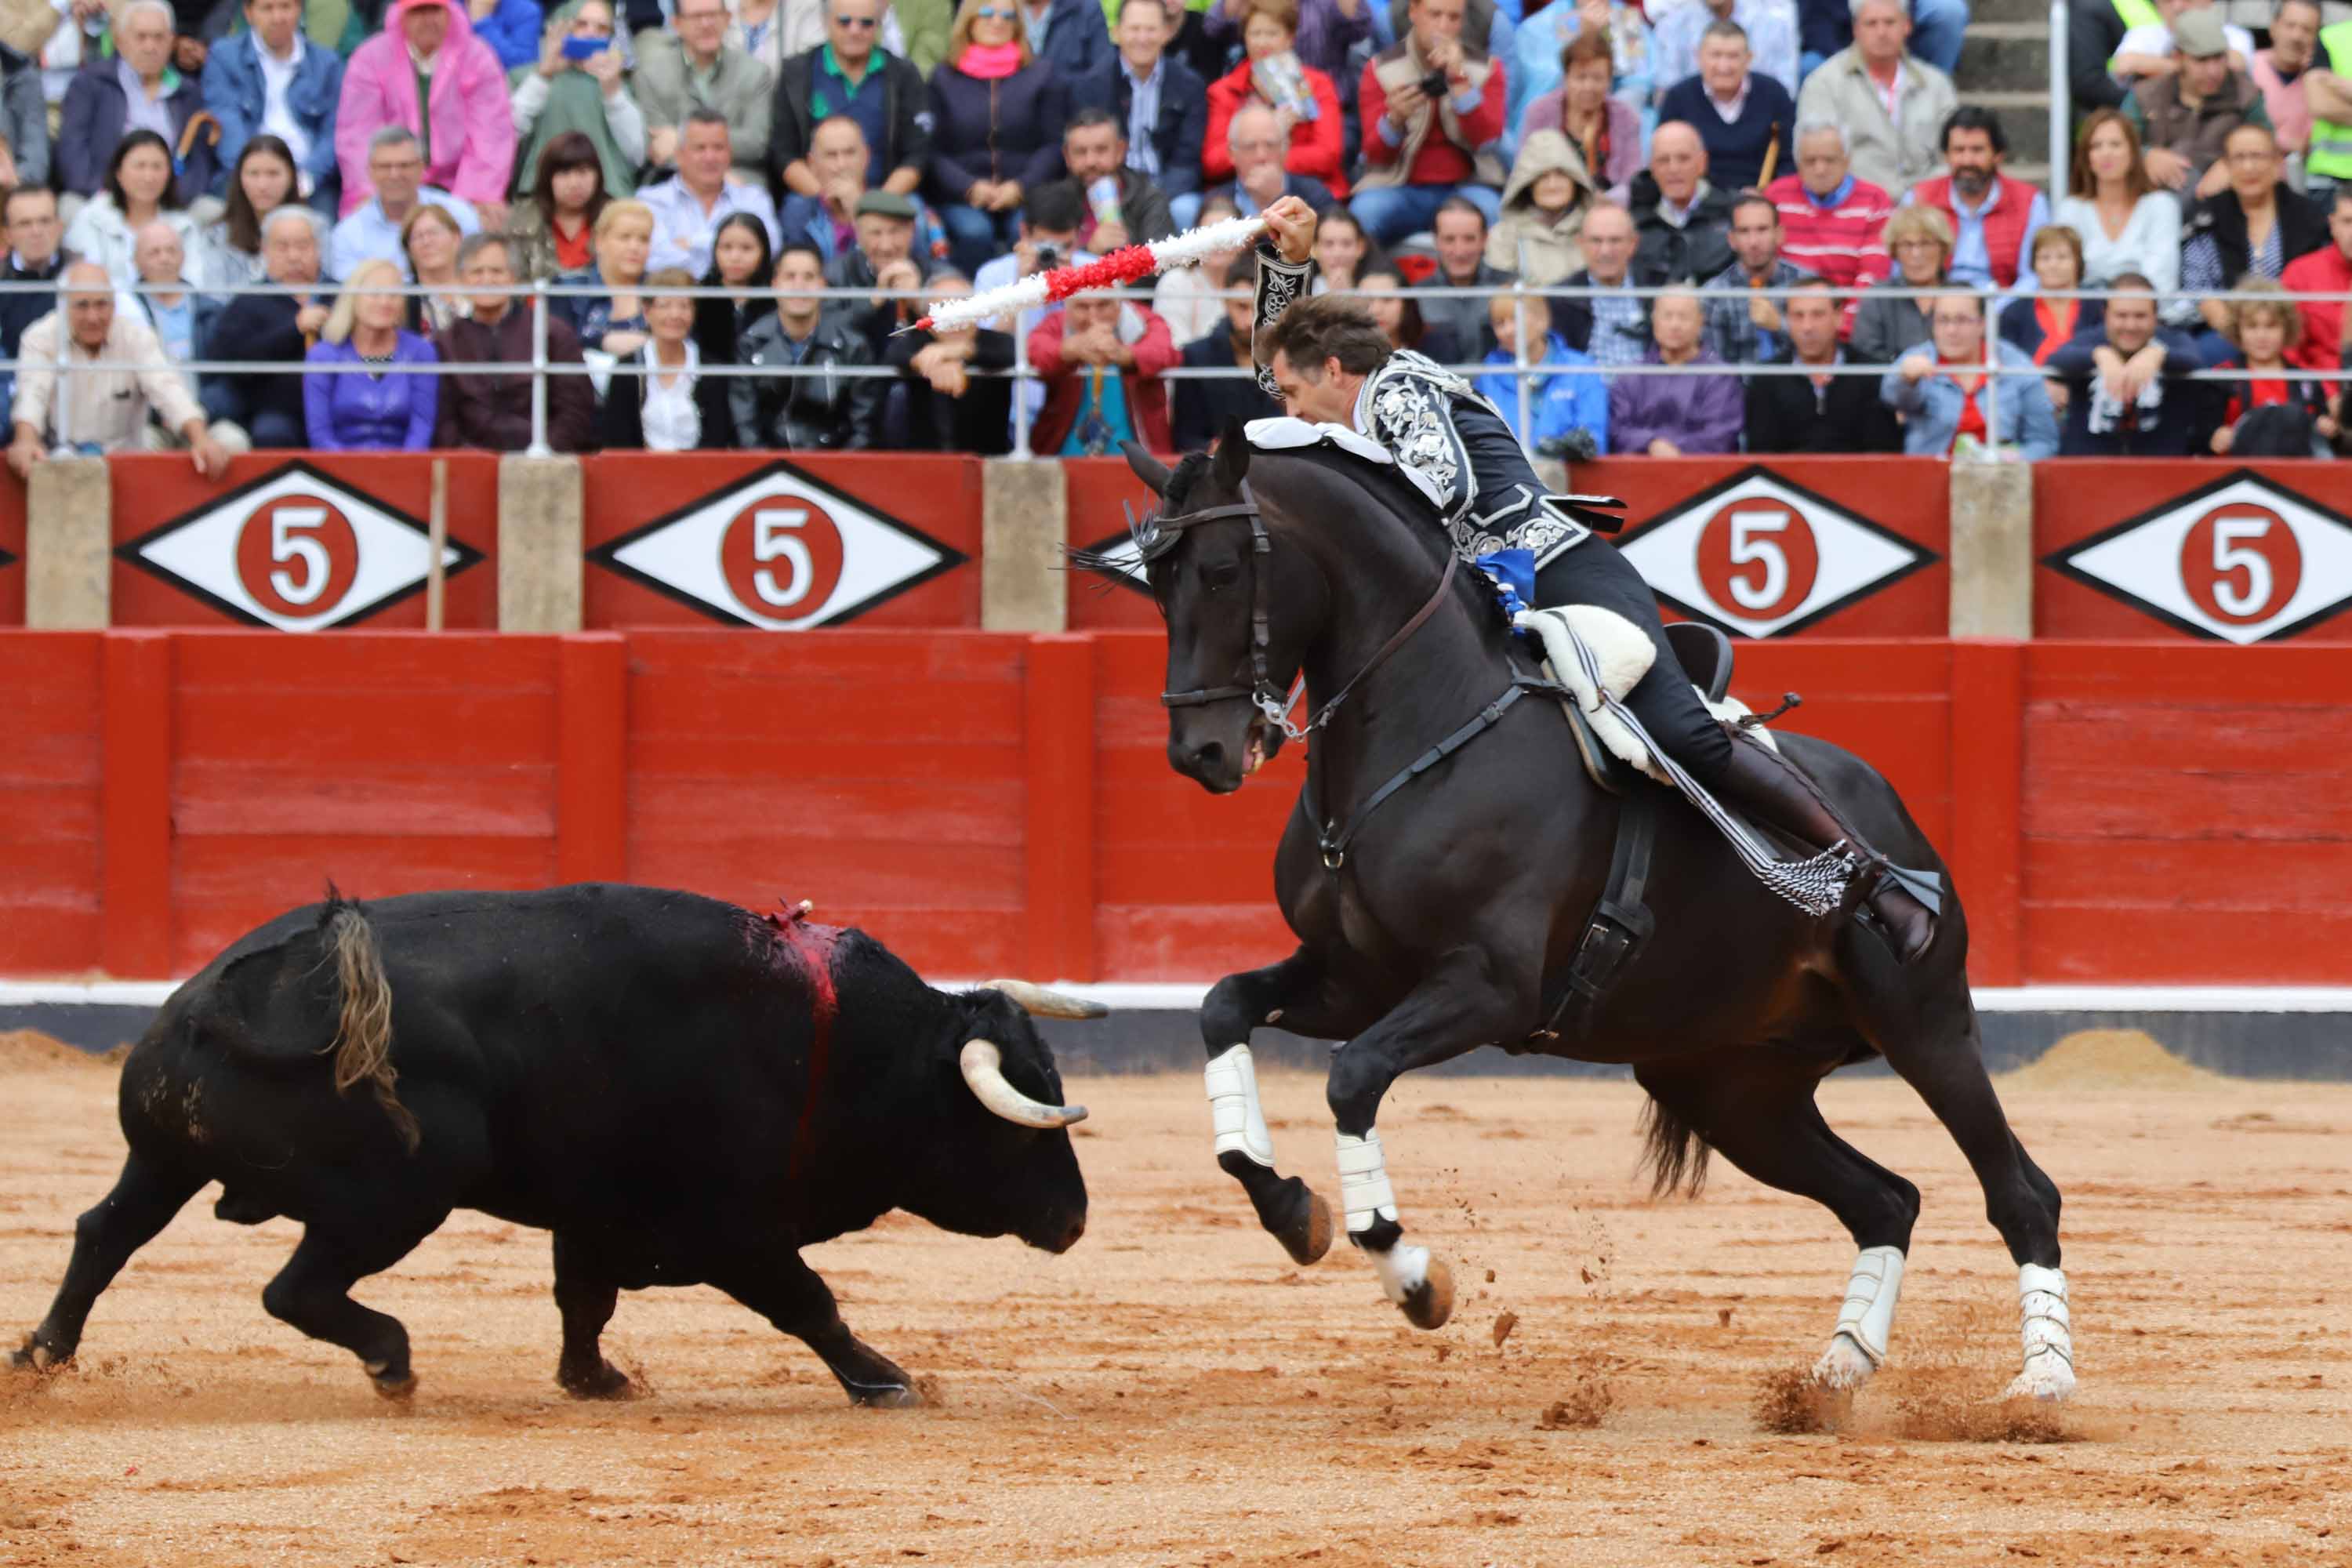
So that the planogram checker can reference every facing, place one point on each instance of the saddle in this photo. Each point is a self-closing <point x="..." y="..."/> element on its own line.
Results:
<point x="1620" y="921"/>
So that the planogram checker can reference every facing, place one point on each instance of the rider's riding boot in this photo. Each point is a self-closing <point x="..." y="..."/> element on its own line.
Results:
<point x="1760" y="781"/>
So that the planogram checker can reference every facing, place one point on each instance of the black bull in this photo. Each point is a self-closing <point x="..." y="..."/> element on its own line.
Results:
<point x="682" y="1091"/>
<point x="1472" y="885"/>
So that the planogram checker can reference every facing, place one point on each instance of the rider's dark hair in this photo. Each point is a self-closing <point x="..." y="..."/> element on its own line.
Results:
<point x="1326" y="327"/>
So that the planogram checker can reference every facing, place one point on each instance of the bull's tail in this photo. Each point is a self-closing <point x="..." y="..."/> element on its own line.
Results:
<point x="363" y="1044"/>
<point x="1674" y="1151"/>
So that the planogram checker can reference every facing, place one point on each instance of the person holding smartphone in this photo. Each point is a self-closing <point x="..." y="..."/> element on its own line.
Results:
<point x="577" y="85"/>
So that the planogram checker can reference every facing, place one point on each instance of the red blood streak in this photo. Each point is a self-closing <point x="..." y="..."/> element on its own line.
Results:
<point x="811" y="946"/>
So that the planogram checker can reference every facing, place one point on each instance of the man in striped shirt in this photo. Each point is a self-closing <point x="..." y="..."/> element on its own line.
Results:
<point x="1832" y="223"/>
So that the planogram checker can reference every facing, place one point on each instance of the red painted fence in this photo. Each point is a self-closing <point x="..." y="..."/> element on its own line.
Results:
<point x="991" y="803"/>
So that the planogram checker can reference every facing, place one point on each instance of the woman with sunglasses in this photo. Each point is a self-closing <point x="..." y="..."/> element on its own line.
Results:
<point x="997" y="116"/>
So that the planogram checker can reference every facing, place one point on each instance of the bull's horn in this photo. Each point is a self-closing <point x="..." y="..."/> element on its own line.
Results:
<point x="1040" y="1003"/>
<point x="983" y="1068"/>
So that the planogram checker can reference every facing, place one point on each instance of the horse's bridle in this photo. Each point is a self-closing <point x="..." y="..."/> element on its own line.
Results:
<point x="1271" y="700"/>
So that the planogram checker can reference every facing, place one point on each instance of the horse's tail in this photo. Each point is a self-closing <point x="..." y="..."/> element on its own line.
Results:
<point x="1675" y="1153"/>
<point x="363" y="1042"/>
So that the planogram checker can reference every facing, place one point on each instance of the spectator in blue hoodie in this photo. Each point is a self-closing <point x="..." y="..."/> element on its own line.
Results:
<point x="1569" y="413"/>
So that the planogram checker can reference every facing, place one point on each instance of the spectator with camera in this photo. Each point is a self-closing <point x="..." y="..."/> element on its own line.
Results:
<point x="1433" y="118"/>
<point x="1305" y="100"/>
<point x="576" y="89"/>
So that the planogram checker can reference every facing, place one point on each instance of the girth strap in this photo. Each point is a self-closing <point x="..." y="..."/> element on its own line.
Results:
<point x="1335" y="839"/>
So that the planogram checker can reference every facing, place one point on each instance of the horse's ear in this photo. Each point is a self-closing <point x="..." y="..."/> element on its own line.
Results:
<point x="1232" y="460"/>
<point x="1146" y="467"/>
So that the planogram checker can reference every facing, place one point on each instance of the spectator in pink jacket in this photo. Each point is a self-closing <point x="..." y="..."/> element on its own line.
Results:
<point x="427" y="54"/>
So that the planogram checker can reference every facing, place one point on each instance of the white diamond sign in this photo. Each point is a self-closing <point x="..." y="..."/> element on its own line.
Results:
<point x="1757" y="555"/>
<point x="780" y="550"/>
<point x="295" y="549"/>
<point x="2242" y="559"/>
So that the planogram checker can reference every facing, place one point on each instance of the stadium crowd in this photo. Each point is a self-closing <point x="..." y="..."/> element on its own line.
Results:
<point x="1785" y="169"/>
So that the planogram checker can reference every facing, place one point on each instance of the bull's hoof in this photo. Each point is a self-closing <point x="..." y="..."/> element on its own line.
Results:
<point x="34" y="1356"/>
<point x="1843" y="1365"/>
<point x="1308" y="1235"/>
<point x="886" y="1396"/>
<point x="605" y="1381"/>
<point x="1430" y="1303"/>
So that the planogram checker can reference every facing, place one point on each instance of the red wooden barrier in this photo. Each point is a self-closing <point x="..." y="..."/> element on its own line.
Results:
<point x="750" y="539"/>
<point x="2184" y="813"/>
<point x="2207" y="550"/>
<point x="301" y="540"/>
<point x="51" y="836"/>
<point x="995" y="804"/>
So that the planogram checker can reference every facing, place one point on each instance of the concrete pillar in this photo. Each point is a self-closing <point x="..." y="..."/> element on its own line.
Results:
<point x="68" y="545"/>
<point x="1992" y="550"/>
<point x="540" y="547"/>
<point x="1025" y="583"/>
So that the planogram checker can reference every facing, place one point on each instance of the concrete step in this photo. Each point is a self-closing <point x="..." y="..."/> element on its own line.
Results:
<point x="2025" y="117"/>
<point x="2005" y="55"/>
<point x="2003" y="11"/>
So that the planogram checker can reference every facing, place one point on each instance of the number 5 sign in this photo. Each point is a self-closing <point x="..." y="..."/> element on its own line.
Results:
<point x="293" y="550"/>
<point x="2243" y="560"/>
<point x="1762" y="557"/>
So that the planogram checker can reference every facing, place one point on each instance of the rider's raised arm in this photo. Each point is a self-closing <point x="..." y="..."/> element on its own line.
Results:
<point x="1279" y="284"/>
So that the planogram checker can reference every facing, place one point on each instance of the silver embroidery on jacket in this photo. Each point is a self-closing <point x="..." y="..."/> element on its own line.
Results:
<point x="1280" y="284"/>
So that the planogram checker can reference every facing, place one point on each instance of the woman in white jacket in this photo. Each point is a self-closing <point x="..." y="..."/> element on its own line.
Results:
<point x="138" y="193"/>
<point x="2128" y="225"/>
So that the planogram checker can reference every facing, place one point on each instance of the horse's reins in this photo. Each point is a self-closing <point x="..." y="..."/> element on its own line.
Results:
<point x="1273" y="702"/>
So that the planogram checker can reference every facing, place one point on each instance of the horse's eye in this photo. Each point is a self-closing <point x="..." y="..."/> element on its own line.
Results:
<point x="1222" y="575"/>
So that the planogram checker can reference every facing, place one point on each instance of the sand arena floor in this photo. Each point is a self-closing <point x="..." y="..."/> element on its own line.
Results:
<point x="1173" y="1391"/>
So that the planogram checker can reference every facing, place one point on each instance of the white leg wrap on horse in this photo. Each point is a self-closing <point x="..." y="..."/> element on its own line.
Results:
<point x="1403" y="1270"/>
<point x="1866" y="1318"/>
<point x="2047" y="1333"/>
<point x="1234" y="1107"/>
<point x="1364" y="1186"/>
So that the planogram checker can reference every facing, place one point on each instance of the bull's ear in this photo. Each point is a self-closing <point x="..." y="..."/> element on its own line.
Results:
<point x="1232" y="460"/>
<point x="1146" y="467"/>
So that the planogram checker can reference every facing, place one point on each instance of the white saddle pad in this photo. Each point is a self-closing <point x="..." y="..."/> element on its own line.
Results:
<point x="1282" y="434"/>
<point x="1623" y="653"/>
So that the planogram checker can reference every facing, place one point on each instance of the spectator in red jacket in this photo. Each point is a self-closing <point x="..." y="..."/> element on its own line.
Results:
<point x="1422" y="149"/>
<point x="2324" y="272"/>
<point x="1100" y="360"/>
<point x="1306" y="101"/>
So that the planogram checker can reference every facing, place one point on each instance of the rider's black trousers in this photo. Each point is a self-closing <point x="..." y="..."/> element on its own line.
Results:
<point x="1593" y="572"/>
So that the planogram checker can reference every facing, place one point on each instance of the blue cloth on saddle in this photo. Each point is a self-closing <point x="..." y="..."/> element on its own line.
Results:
<point x="1513" y="573"/>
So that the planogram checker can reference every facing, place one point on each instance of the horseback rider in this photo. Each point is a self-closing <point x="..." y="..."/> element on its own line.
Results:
<point x="1330" y="362"/>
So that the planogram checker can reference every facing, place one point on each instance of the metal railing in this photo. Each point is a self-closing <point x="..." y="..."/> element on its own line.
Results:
<point x="1526" y="374"/>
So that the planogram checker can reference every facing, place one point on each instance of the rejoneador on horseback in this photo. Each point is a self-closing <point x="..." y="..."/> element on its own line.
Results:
<point x="1464" y="868"/>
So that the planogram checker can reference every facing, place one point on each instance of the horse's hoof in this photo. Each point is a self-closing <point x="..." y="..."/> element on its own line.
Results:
<point x="396" y="1390"/>
<point x="887" y="1396"/>
<point x="2051" y="1380"/>
<point x="1842" y="1365"/>
<point x="1309" y="1237"/>
<point x="33" y="1356"/>
<point x="1430" y="1303"/>
<point x="607" y="1382"/>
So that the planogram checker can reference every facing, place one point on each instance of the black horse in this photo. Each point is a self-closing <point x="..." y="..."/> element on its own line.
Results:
<point x="1470" y="886"/>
